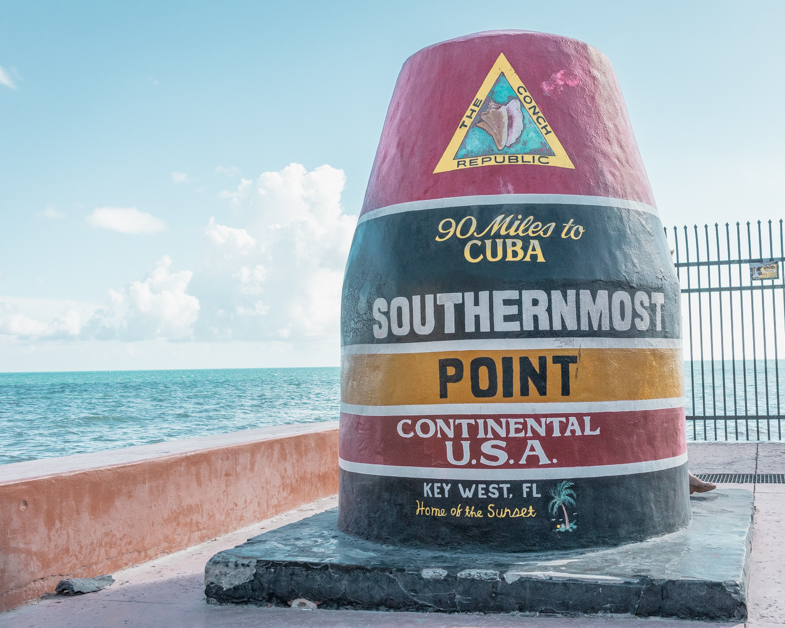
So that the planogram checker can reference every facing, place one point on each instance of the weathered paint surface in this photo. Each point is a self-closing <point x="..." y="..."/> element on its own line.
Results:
<point x="511" y="331"/>
<point x="438" y="85"/>
<point x="85" y="515"/>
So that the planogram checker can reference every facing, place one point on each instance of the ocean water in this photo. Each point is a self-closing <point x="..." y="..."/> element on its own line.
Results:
<point x="740" y="388"/>
<point x="58" y="414"/>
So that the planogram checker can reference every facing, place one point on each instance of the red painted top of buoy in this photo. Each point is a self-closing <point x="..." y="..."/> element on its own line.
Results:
<point x="574" y="86"/>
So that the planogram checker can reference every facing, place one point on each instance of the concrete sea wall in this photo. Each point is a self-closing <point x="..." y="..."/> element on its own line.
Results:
<point x="89" y="514"/>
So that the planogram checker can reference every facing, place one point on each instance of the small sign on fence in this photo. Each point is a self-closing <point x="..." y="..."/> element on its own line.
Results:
<point x="765" y="269"/>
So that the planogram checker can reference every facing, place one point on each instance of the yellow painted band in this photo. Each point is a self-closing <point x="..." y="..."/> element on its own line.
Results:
<point x="596" y="375"/>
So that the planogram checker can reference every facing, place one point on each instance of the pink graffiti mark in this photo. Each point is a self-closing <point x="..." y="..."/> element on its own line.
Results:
<point x="558" y="81"/>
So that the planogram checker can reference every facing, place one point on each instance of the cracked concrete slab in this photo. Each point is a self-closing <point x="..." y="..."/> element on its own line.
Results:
<point x="699" y="572"/>
<point x="771" y="458"/>
<point x="723" y="457"/>
<point x="767" y="580"/>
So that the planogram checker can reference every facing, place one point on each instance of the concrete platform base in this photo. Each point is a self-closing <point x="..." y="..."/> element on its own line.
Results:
<point x="700" y="572"/>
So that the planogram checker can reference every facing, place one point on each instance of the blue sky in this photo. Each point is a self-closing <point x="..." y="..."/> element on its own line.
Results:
<point x="129" y="239"/>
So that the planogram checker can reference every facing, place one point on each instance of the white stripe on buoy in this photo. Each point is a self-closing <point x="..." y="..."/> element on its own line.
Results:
<point x="552" y="473"/>
<point x="507" y="199"/>
<point x="432" y="409"/>
<point x="513" y="344"/>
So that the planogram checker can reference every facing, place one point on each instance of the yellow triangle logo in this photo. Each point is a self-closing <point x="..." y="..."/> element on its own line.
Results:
<point x="503" y="126"/>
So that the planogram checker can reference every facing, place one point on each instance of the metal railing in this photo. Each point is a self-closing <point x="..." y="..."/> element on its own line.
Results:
<point x="733" y="306"/>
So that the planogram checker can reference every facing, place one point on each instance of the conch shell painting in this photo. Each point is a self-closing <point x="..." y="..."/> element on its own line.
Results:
<point x="502" y="126"/>
<point x="504" y="123"/>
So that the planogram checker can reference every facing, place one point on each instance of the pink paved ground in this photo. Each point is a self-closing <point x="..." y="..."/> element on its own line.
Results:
<point x="169" y="591"/>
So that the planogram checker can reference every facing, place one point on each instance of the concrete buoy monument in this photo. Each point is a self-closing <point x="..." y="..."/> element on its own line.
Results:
<point x="512" y="430"/>
<point x="511" y="327"/>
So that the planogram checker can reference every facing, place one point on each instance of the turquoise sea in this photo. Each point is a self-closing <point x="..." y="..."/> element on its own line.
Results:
<point x="740" y="388"/>
<point x="58" y="414"/>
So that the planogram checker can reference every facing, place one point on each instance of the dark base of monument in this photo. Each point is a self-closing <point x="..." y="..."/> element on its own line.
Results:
<point x="699" y="572"/>
<point x="613" y="510"/>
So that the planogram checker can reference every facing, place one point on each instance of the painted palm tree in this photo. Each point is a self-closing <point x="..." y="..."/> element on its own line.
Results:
<point x="563" y="496"/>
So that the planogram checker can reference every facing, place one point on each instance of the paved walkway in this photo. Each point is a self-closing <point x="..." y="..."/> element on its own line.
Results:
<point x="169" y="591"/>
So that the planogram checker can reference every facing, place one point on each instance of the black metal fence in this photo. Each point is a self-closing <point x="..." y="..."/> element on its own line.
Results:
<point x="733" y="301"/>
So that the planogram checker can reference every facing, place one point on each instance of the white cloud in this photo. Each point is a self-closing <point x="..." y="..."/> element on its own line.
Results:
<point x="229" y="239"/>
<point x="274" y="276"/>
<point x="157" y="307"/>
<point x="51" y="213"/>
<point x="251" y="279"/>
<point x="15" y="323"/>
<point x="179" y="177"/>
<point x="161" y="299"/>
<point x="126" y="220"/>
<point x="242" y="193"/>
<point x="260" y="308"/>
<point x="231" y="171"/>
<point x="5" y="78"/>
<point x="288" y="285"/>
<point x="39" y="318"/>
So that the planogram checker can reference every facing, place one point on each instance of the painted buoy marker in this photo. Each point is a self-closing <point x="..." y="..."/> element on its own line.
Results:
<point x="511" y="326"/>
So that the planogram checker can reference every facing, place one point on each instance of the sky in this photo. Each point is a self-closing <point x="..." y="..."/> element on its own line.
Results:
<point x="179" y="182"/>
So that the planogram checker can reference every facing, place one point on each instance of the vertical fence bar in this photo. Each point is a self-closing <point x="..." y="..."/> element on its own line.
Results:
<point x="774" y="327"/>
<point x="754" y="342"/>
<point x="676" y="248"/>
<point x="743" y="340"/>
<point x="782" y="285"/>
<point x="711" y="331"/>
<point x="765" y="349"/>
<point x="700" y="330"/>
<point x="732" y="336"/>
<point x="722" y="329"/>
<point x="689" y="317"/>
